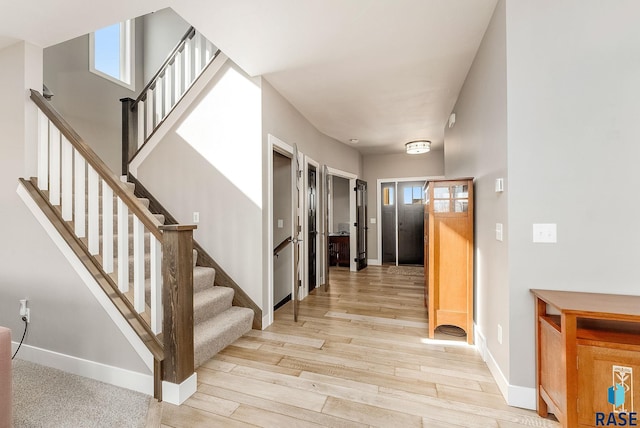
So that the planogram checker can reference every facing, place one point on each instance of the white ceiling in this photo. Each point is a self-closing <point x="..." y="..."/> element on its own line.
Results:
<point x="382" y="71"/>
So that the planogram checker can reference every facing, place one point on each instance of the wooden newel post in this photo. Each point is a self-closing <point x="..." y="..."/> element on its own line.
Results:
<point x="177" y="299"/>
<point x="129" y="133"/>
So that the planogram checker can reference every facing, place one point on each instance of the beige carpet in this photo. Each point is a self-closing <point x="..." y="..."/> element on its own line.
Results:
<point x="46" y="397"/>
<point x="406" y="270"/>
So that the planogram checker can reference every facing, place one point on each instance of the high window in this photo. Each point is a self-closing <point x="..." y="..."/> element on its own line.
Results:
<point x="111" y="51"/>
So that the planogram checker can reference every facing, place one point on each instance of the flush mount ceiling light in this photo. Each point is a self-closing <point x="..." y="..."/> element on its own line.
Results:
<point x="353" y="140"/>
<point x="417" y="147"/>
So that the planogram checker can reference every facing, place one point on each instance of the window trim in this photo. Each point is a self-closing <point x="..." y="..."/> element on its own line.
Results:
<point x="127" y="56"/>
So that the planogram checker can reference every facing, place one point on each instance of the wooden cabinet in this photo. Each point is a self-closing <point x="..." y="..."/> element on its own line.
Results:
<point x="587" y="344"/>
<point x="448" y="254"/>
<point x="339" y="250"/>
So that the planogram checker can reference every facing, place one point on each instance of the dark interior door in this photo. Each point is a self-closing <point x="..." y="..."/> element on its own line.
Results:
<point x="361" y="224"/>
<point x="312" y="237"/>
<point x="388" y="225"/>
<point x="410" y="223"/>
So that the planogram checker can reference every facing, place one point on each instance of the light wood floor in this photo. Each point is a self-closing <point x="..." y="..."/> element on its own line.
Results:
<point x="356" y="357"/>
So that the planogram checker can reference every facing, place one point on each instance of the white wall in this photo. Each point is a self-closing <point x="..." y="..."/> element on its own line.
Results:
<point x="573" y="133"/>
<point x="65" y="317"/>
<point x="394" y="166"/>
<point x="211" y="162"/>
<point x="477" y="147"/>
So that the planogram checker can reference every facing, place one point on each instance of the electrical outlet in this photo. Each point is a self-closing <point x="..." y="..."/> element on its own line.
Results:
<point x="196" y="217"/>
<point x="499" y="334"/>
<point x="25" y="312"/>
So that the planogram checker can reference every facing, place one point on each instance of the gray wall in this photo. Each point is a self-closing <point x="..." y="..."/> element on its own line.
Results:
<point x="573" y="151"/>
<point x="65" y="317"/>
<point x="477" y="147"/>
<point x="282" y="267"/>
<point x="555" y="113"/>
<point x="90" y="103"/>
<point x="211" y="162"/>
<point x="402" y="165"/>
<point x="339" y="202"/>
<point x="282" y="120"/>
<point x="162" y="30"/>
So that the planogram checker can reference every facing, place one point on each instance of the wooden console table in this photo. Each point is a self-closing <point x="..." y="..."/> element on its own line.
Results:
<point x="581" y="339"/>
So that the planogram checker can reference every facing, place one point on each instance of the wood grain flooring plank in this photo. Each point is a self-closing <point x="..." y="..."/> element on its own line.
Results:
<point x="370" y="415"/>
<point x="358" y="356"/>
<point x="282" y="408"/>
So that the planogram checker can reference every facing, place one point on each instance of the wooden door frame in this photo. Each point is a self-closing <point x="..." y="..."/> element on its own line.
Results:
<point x="379" y="182"/>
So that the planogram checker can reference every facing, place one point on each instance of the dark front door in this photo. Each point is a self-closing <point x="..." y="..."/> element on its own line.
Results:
<point x="361" y="224"/>
<point x="410" y="223"/>
<point x="312" y="238"/>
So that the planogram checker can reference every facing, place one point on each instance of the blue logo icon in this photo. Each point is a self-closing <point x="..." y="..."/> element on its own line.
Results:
<point x="616" y="395"/>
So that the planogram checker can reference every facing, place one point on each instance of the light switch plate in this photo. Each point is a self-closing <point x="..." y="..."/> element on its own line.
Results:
<point x="499" y="232"/>
<point x="373" y="220"/>
<point x="545" y="233"/>
<point x="499" y="185"/>
<point x="280" y="223"/>
<point x="196" y="217"/>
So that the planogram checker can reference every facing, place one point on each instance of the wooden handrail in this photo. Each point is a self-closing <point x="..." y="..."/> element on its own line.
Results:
<point x="119" y="189"/>
<point x="281" y="246"/>
<point x="143" y="94"/>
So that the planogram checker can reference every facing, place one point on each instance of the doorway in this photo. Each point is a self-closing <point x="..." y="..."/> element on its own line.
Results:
<point x="281" y="227"/>
<point x="401" y="208"/>
<point x="312" y="227"/>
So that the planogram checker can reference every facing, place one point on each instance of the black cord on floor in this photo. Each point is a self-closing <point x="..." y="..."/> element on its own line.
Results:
<point x="26" y="324"/>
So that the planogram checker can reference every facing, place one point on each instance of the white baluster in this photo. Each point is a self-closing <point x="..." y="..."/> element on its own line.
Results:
<point x="43" y="151"/>
<point x="187" y="63"/>
<point x="168" y="81"/>
<point x="123" y="246"/>
<point x="159" y="97"/>
<point x="138" y="265"/>
<point x="208" y="51"/>
<point x="80" y="197"/>
<point x="141" y="127"/>
<point x="177" y="77"/>
<point x="149" y="109"/>
<point x="156" y="285"/>
<point x="54" y="165"/>
<point x="94" y="244"/>
<point x="67" y="180"/>
<point x="107" y="228"/>
<point x="198" y="55"/>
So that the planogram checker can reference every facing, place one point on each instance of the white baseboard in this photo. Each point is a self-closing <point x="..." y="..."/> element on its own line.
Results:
<point x="84" y="274"/>
<point x="266" y="320"/>
<point x="373" y="262"/>
<point x="116" y="376"/>
<point x="514" y="395"/>
<point x="178" y="393"/>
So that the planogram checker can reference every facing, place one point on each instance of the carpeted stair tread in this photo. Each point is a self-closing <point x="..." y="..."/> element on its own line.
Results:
<point x="211" y="302"/>
<point x="203" y="278"/>
<point x="215" y="334"/>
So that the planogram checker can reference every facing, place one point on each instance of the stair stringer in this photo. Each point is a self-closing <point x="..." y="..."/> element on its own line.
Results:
<point x="174" y="116"/>
<point x="145" y="383"/>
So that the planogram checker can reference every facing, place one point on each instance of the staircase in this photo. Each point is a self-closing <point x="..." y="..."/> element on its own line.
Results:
<point x="217" y="323"/>
<point x="146" y="268"/>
